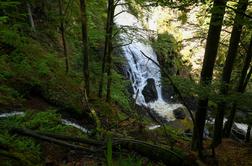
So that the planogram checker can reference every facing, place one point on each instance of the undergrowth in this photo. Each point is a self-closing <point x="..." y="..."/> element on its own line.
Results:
<point x="25" y="150"/>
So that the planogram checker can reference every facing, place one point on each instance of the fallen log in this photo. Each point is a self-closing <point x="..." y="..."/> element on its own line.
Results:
<point x="27" y="132"/>
<point x="153" y="152"/>
<point x="74" y="139"/>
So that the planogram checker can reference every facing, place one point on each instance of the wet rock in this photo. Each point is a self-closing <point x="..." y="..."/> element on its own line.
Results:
<point x="179" y="113"/>
<point x="168" y="92"/>
<point x="150" y="92"/>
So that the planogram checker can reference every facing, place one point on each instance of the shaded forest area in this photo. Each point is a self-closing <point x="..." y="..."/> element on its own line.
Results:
<point x="66" y="88"/>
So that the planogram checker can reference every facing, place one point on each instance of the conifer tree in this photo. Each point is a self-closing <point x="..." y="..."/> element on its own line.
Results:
<point x="83" y="13"/>
<point x="212" y="43"/>
<point x="227" y="70"/>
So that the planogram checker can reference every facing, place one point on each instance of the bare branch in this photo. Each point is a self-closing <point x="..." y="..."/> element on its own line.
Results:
<point x="173" y="84"/>
<point x="116" y="33"/>
<point x="122" y="45"/>
<point x="192" y="39"/>
<point x="237" y="11"/>
<point x="120" y="13"/>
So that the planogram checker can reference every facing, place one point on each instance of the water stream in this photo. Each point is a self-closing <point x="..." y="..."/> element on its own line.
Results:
<point x="64" y="121"/>
<point x="141" y="68"/>
<point x="240" y="126"/>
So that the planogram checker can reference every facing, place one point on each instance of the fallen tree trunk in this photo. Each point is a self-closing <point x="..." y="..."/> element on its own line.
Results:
<point x="27" y="132"/>
<point x="153" y="152"/>
<point x="74" y="139"/>
<point x="130" y="144"/>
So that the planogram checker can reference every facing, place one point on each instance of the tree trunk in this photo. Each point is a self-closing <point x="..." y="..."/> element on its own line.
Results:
<point x="83" y="13"/>
<point x="105" y="50"/>
<point x="30" y="16"/>
<point x="154" y="152"/>
<point x="227" y="71"/>
<point x="110" y="50"/>
<point x="240" y="89"/>
<point x="62" y="31"/>
<point x="31" y="133"/>
<point x="213" y="38"/>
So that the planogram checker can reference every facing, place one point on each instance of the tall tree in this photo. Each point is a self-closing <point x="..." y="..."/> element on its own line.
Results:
<point x="227" y="70"/>
<point x="243" y="81"/>
<point x="105" y="52"/>
<point x="83" y="13"/>
<point x="110" y="47"/>
<point x="212" y="43"/>
<point x="63" y="34"/>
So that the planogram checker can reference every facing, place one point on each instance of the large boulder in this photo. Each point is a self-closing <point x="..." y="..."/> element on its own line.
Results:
<point x="168" y="92"/>
<point x="179" y="113"/>
<point x="150" y="92"/>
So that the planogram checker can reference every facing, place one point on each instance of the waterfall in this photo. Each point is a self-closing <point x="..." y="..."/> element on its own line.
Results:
<point x="141" y="68"/>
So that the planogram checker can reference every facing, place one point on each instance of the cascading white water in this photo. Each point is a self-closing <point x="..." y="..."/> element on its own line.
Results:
<point x="140" y="68"/>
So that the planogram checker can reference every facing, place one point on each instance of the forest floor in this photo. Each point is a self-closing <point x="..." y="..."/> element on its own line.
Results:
<point x="232" y="153"/>
<point x="229" y="153"/>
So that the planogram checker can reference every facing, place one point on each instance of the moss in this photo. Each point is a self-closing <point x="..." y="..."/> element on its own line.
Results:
<point x="26" y="149"/>
<point x="9" y="96"/>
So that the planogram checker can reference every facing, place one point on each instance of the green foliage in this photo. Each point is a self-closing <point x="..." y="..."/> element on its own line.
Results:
<point x="167" y="50"/>
<point x="34" y="65"/>
<point x="3" y="19"/>
<point x="11" y="37"/>
<point x="120" y="94"/>
<point x="130" y="160"/>
<point x="25" y="148"/>
<point x="183" y="17"/>
<point x="9" y="96"/>
<point x="48" y="121"/>
<point x="135" y="8"/>
<point x="166" y="43"/>
<point x="96" y="22"/>
<point x="174" y="133"/>
<point x="189" y="87"/>
<point x="181" y="5"/>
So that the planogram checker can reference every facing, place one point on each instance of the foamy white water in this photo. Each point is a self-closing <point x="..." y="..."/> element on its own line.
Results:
<point x="69" y="123"/>
<point x="141" y="68"/>
<point x="153" y="127"/>
<point x="10" y="114"/>
<point x="64" y="121"/>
